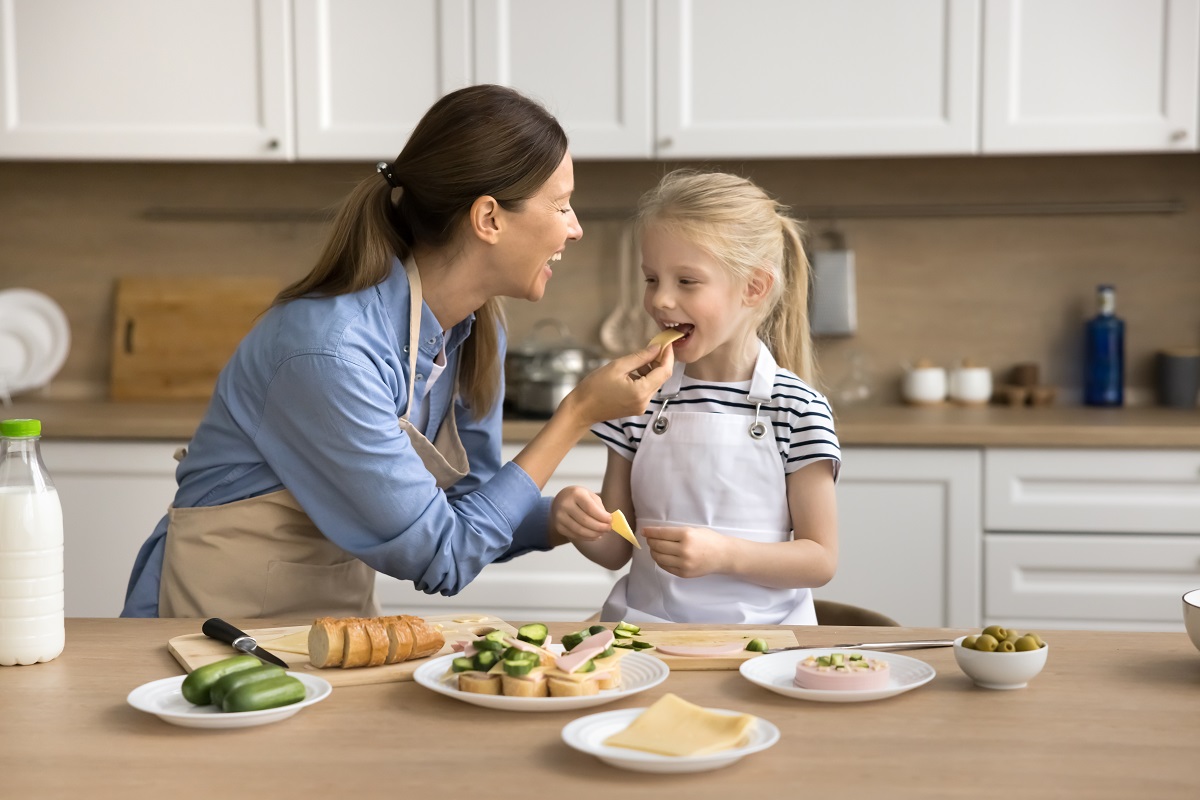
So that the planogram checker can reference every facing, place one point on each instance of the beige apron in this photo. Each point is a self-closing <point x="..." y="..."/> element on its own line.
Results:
<point x="264" y="557"/>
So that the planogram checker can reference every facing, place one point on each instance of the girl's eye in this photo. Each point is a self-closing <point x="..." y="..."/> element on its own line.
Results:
<point x="566" y="210"/>
<point x="651" y="281"/>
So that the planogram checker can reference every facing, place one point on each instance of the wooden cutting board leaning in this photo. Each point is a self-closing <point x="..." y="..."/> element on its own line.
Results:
<point x="172" y="336"/>
<point x="291" y="644"/>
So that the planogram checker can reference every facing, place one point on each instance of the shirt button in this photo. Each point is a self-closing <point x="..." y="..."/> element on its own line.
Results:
<point x="430" y="341"/>
<point x="406" y="348"/>
<point x="420" y="377"/>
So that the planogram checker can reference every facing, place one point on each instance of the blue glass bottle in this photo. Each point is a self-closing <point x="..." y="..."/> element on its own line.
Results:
<point x="1104" y="353"/>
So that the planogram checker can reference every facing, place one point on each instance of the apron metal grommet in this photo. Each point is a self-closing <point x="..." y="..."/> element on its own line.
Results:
<point x="661" y="424"/>
<point x="758" y="430"/>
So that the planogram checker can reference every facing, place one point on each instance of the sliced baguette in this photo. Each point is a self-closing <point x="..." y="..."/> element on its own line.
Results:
<point x="565" y="687"/>
<point x="400" y="639"/>
<point x="479" y="682"/>
<point x="532" y="685"/>
<point x="326" y="642"/>
<point x="357" y="652"/>
<point x="427" y="639"/>
<point x="378" y="635"/>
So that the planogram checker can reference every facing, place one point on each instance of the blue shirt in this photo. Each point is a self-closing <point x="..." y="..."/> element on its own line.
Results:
<point x="309" y="402"/>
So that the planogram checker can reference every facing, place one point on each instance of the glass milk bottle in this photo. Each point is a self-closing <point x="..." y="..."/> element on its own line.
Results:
<point x="31" y="550"/>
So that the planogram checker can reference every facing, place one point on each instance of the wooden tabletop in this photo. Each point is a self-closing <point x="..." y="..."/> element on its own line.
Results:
<point x="1113" y="715"/>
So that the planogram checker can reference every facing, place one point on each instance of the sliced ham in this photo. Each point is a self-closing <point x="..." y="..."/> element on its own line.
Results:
<point x="700" y="651"/>
<point x="589" y="648"/>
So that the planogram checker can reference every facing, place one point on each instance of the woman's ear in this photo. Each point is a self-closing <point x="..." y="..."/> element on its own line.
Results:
<point x="758" y="287"/>
<point x="485" y="220"/>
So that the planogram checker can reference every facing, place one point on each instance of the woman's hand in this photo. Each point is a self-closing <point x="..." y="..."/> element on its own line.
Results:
<point x="687" y="552"/>
<point x="622" y="387"/>
<point x="578" y="515"/>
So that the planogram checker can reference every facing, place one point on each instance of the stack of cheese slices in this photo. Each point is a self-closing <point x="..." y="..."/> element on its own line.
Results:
<point x="370" y="642"/>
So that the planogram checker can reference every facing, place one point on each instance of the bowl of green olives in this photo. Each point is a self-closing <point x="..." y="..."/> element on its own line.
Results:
<point x="1001" y="658"/>
<point x="1191" y="616"/>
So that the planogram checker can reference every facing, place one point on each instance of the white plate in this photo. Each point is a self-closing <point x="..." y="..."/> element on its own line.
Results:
<point x="639" y="672"/>
<point x="587" y="734"/>
<point x="34" y="339"/>
<point x="777" y="672"/>
<point x="164" y="699"/>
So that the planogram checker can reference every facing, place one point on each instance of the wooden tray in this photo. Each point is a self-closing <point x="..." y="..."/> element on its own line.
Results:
<point x="195" y="649"/>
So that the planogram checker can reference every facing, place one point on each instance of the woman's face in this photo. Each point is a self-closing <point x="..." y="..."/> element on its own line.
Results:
<point x="538" y="234"/>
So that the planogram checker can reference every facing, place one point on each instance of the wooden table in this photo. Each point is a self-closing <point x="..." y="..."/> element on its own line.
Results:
<point x="1112" y="715"/>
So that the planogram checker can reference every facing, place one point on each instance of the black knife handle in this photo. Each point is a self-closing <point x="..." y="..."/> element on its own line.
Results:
<point x="221" y="630"/>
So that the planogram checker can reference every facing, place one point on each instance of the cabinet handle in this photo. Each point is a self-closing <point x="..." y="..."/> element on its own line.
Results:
<point x="272" y="144"/>
<point x="1178" y="136"/>
<point x="666" y="141"/>
<point x="129" y="336"/>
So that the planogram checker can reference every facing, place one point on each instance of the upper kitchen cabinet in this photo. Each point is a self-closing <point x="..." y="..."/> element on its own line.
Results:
<point x="145" y="79"/>
<point x="784" y="78"/>
<point x="588" y="62"/>
<point x="1075" y="76"/>
<point x="367" y="70"/>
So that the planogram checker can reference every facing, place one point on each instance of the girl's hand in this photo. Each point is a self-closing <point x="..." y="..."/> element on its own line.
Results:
<point x="622" y="387"/>
<point x="687" y="552"/>
<point x="578" y="515"/>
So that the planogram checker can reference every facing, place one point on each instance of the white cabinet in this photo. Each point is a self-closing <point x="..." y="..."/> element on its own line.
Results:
<point x="1090" y="539"/>
<point x="366" y="71"/>
<point x="909" y="535"/>
<point x="113" y="494"/>
<point x="1073" y="76"/>
<point x="145" y="79"/>
<point x="556" y="585"/>
<point x="778" y="78"/>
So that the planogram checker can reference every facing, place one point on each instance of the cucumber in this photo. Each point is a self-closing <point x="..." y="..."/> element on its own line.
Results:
<point x="572" y="640"/>
<point x="462" y="664"/>
<point x="240" y="678"/>
<point x="534" y="633"/>
<point x="596" y="629"/>
<point x="197" y="686"/>
<point x="757" y="645"/>
<point x="281" y="690"/>
<point x="629" y="628"/>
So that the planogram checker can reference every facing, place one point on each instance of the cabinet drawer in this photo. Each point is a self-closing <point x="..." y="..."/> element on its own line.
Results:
<point x="1102" y="491"/>
<point x="1120" y="582"/>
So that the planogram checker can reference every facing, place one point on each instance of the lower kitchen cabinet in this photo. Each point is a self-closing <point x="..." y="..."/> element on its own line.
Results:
<point x="112" y="495"/>
<point x="909" y="534"/>
<point x="1105" y="539"/>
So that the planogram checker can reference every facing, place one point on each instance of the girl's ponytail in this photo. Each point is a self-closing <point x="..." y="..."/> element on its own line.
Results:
<point x="786" y="330"/>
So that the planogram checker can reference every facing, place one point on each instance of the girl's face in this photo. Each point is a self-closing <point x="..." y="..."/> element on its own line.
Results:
<point x="688" y="289"/>
<point x="539" y="233"/>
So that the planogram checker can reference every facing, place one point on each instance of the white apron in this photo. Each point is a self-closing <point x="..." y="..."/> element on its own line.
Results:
<point x="718" y="471"/>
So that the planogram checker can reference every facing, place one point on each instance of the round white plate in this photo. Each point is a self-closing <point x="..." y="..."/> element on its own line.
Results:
<point x="164" y="699"/>
<point x="777" y="672"/>
<point x="639" y="672"/>
<point x="587" y="734"/>
<point x="34" y="340"/>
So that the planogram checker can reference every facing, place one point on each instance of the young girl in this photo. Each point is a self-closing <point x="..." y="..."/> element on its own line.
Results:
<point x="728" y="477"/>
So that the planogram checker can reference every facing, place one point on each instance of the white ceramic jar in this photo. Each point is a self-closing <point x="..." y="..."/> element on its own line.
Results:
<point x="971" y="385"/>
<point x="924" y="384"/>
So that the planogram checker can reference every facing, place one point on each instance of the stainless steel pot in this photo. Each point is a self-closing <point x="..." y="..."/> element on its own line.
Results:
<point x="542" y="370"/>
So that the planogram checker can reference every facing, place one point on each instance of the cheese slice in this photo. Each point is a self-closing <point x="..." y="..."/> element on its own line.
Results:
<point x="665" y="336"/>
<point x="621" y="526"/>
<point x="675" y="727"/>
<point x="290" y="643"/>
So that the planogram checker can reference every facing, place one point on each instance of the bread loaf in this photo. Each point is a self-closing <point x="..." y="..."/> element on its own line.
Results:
<point x="368" y="642"/>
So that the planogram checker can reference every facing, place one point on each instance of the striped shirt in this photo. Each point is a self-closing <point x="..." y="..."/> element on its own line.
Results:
<point x="801" y="418"/>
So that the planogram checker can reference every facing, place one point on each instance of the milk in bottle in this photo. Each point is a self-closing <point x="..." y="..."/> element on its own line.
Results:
<point x="31" y="549"/>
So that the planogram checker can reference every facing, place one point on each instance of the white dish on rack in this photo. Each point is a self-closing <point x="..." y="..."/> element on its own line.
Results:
<point x="34" y="340"/>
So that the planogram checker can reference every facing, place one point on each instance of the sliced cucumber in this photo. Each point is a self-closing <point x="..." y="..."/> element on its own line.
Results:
<point x="572" y="640"/>
<point x="592" y="631"/>
<point x="757" y="645"/>
<point x="627" y="627"/>
<point x="462" y="664"/>
<point x="534" y="633"/>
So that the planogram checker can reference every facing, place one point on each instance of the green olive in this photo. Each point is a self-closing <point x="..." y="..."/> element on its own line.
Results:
<point x="1026" y="642"/>
<point x="986" y="642"/>
<point x="1000" y="634"/>
<point x="1037" y="639"/>
<point x="969" y="642"/>
<point x="1013" y="635"/>
<point x="1006" y="647"/>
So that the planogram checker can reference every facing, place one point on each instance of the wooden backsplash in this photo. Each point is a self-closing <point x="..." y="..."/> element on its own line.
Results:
<point x="997" y="289"/>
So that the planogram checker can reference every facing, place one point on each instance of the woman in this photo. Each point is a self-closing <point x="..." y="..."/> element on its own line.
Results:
<point x="299" y="484"/>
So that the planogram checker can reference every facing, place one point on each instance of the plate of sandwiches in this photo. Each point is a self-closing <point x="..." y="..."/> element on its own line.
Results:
<point x="503" y="672"/>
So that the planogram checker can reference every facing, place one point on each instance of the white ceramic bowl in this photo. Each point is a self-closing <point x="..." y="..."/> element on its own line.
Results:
<point x="1191" y="616"/>
<point x="1001" y="670"/>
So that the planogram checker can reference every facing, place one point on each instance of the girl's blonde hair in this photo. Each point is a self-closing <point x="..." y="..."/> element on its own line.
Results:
<point x="480" y="140"/>
<point x="744" y="229"/>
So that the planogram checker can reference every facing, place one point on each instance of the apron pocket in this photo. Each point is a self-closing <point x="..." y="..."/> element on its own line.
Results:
<point x="294" y="588"/>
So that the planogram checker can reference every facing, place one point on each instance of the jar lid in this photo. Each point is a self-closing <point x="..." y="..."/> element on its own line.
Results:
<point x="21" y="428"/>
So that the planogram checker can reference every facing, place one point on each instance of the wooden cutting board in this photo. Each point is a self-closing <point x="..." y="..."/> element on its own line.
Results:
<point x="172" y="336"/>
<point x="195" y="649"/>
<point x="774" y="637"/>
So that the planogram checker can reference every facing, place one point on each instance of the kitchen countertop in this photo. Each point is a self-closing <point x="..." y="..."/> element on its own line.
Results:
<point x="1112" y="715"/>
<point x="943" y="426"/>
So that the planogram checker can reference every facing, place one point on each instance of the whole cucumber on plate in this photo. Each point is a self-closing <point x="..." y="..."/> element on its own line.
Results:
<point x="197" y="686"/>
<point x="281" y="690"/>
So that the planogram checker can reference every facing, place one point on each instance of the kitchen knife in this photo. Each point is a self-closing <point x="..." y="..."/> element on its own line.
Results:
<point x="221" y="630"/>
<point x="913" y="645"/>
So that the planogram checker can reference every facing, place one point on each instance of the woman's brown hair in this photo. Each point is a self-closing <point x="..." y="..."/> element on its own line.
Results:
<point x="481" y="140"/>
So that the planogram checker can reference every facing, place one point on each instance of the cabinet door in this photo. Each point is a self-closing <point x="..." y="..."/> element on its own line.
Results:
<point x="113" y="494"/>
<point x="145" y="79"/>
<point x="1085" y="76"/>
<point x="588" y="61"/>
<point x="909" y="535"/>
<point x="367" y="70"/>
<point x="779" y="78"/>
<point x="556" y="585"/>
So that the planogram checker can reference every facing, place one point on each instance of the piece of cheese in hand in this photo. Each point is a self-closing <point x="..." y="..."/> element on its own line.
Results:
<point x="665" y="336"/>
<point x="675" y="727"/>
<point x="621" y="526"/>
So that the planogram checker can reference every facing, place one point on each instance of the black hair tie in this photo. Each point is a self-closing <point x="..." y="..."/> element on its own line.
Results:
<point x="385" y="169"/>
